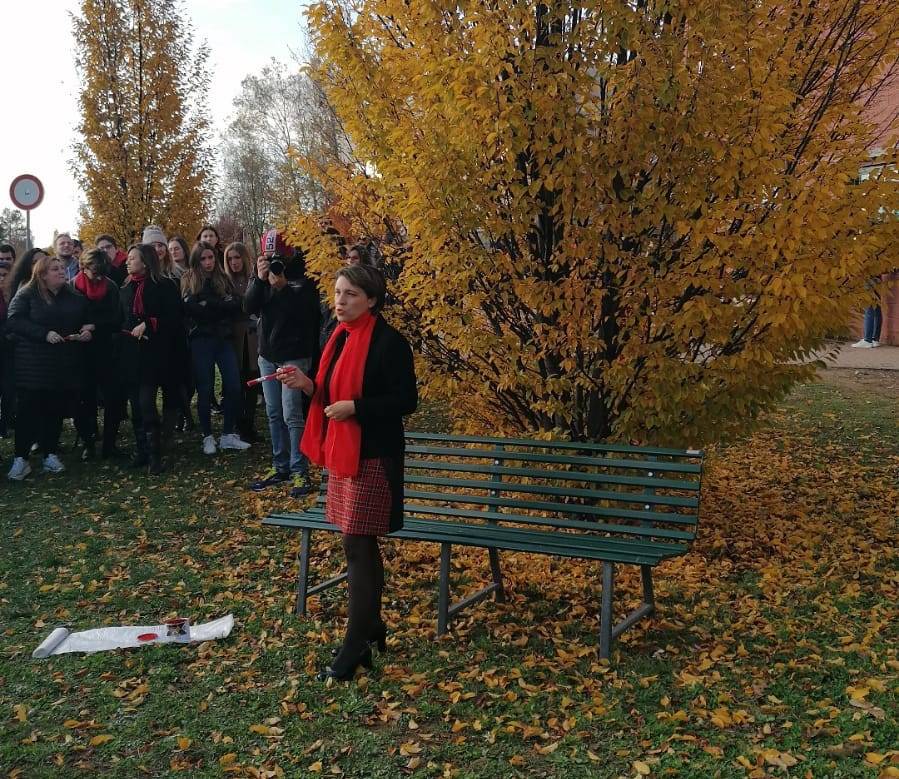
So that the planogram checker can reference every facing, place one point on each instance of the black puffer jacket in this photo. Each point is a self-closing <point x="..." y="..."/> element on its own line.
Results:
<point x="42" y="365"/>
<point x="211" y="314"/>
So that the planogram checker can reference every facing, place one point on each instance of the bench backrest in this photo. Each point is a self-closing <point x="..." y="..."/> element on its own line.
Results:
<point x="638" y="492"/>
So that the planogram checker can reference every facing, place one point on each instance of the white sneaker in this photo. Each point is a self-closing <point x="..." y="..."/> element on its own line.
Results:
<point x="20" y="469"/>
<point x="52" y="464"/>
<point x="875" y="344"/>
<point x="209" y="445"/>
<point x="233" y="441"/>
<point x="863" y="344"/>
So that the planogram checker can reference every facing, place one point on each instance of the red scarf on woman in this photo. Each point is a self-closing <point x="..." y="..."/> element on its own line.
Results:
<point x="337" y="445"/>
<point x="137" y="305"/>
<point x="95" y="290"/>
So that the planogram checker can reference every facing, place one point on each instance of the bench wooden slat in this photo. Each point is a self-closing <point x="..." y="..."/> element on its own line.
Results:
<point x="566" y="492"/>
<point x="514" y="540"/>
<point x="600" y="462"/>
<point x="562" y="508"/>
<point x="691" y="485"/>
<point x="641" y="531"/>
<point x="576" y="445"/>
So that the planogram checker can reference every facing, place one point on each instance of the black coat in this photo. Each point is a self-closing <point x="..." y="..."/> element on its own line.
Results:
<point x="102" y="352"/>
<point x="389" y="393"/>
<point x="211" y="314"/>
<point x="288" y="318"/>
<point x="42" y="365"/>
<point x="153" y="359"/>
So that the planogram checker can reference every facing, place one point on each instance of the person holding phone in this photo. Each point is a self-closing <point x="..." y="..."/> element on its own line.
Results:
<point x="48" y="320"/>
<point x="364" y="386"/>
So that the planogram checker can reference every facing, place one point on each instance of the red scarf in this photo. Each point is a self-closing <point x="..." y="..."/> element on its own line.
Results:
<point x="119" y="260"/>
<point x="137" y="305"/>
<point x="95" y="290"/>
<point x="337" y="445"/>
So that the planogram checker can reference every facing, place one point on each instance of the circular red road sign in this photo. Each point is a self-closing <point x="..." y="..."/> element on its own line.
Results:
<point x="26" y="192"/>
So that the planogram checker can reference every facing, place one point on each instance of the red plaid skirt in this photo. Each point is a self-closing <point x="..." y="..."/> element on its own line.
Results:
<point x="360" y="505"/>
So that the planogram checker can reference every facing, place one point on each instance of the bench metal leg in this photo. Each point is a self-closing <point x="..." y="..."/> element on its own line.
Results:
<point x="499" y="593"/>
<point x="605" y="612"/>
<point x="303" y="575"/>
<point x="303" y="588"/>
<point x="443" y="592"/>
<point x="608" y="632"/>
<point x="646" y="575"/>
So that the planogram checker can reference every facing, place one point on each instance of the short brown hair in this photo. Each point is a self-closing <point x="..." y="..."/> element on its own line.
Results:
<point x="370" y="280"/>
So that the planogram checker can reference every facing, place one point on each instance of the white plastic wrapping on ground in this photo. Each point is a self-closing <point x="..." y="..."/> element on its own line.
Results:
<point x="61" y="640"/>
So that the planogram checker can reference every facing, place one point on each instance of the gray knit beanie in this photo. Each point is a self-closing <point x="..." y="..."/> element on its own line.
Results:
<point x="153" y="234"/>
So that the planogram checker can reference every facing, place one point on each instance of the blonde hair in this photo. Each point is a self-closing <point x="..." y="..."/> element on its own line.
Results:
<point x="244" y="253"/>
<point x="38" y="271"/>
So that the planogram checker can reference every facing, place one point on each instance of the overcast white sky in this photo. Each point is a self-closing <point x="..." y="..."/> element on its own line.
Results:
<point x="39" y="87"/>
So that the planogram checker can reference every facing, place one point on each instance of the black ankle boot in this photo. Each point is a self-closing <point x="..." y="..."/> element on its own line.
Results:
<point x="344" y="668"/>
<point x="154" y="445"/>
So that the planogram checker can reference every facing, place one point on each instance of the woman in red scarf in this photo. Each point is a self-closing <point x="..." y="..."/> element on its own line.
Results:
<point x="364" y="386"/>
<point x="101" y="364"/>
<point x="151" y="305"/>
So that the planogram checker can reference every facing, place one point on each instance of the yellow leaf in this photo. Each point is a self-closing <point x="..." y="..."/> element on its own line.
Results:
<point x="227" y="759"/>
<point x="517" y="760"/>
<point x="101" y="739"/>
<point x="183" y="743"/>
<point x="262" y="730"/>
<point x="21" y="711"/>
<point x="71" y="723"/>
<point x="409" y="748"/>
<point x="641" y="768"/>
<point x="316" y="767"/>
<point x="548" y="749"/>
<point x="875" y="758"/>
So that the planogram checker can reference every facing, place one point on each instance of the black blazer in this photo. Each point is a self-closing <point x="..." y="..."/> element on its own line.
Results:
<point x="152" y="360"/>
<point x="389" y="393"/>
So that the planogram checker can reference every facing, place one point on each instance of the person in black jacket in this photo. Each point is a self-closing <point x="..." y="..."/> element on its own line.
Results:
<point x="49" y="323"/>
<point x="101" y="370"/>
<point x="151" y="307"/>
<point x="286" y="302"/>
<point x="212" y="306"/>
<point x="364" y="386"/>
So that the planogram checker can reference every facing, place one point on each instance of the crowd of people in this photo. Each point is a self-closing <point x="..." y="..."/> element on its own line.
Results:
<point x="96" y="334"/>
<point x="101" y="328"/>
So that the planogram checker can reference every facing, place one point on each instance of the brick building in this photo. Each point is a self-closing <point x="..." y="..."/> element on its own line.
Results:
<point x="884" y="112"/>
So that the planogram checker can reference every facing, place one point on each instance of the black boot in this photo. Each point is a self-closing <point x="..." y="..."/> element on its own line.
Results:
<point x="154" y="445"/>
<point x="90" y="450"/>
<point x="141" y="450"/>
<point x="110" y="434"/>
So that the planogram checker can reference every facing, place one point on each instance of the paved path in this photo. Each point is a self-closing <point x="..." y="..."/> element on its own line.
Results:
<point x="883" y="358"/>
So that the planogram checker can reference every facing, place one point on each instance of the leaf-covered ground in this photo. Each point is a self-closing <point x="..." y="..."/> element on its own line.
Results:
<point x="774" y="651"/>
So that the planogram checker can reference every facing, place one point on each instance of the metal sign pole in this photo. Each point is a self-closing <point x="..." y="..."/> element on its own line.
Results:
<point x="28" y="230"/>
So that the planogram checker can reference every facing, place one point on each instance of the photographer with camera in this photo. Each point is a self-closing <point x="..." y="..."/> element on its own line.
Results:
<point x="286" y="302"/>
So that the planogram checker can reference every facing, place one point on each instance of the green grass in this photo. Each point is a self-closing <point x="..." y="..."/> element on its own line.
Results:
<point x="764" y="632"/>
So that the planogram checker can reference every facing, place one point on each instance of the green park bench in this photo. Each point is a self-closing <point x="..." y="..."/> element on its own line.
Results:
<point x="617" y="504"/>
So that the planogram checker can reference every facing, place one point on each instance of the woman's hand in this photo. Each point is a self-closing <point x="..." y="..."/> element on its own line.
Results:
<point x="294" y="378"/>
<point x="54" y="338"/>
<point x="85" y="335"/>
<point x="262" y="264"/>
<point x="138" y="332"/>
<point x="342" y="409"/>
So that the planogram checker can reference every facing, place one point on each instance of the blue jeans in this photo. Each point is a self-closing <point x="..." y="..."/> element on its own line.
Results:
<point x="284" y="409"/>
<point x="206" y="352"/>
<point x="873" y="323"/>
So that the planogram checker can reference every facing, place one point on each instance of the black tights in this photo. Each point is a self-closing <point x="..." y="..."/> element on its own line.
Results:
<point x="365" y="578"/>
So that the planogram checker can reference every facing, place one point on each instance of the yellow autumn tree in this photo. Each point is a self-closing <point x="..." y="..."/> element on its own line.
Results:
<point x="630" y="219"/>
<point x="144" y="156"/>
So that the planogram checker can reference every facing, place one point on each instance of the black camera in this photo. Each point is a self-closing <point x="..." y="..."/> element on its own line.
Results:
<point x="276" y="265"/>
